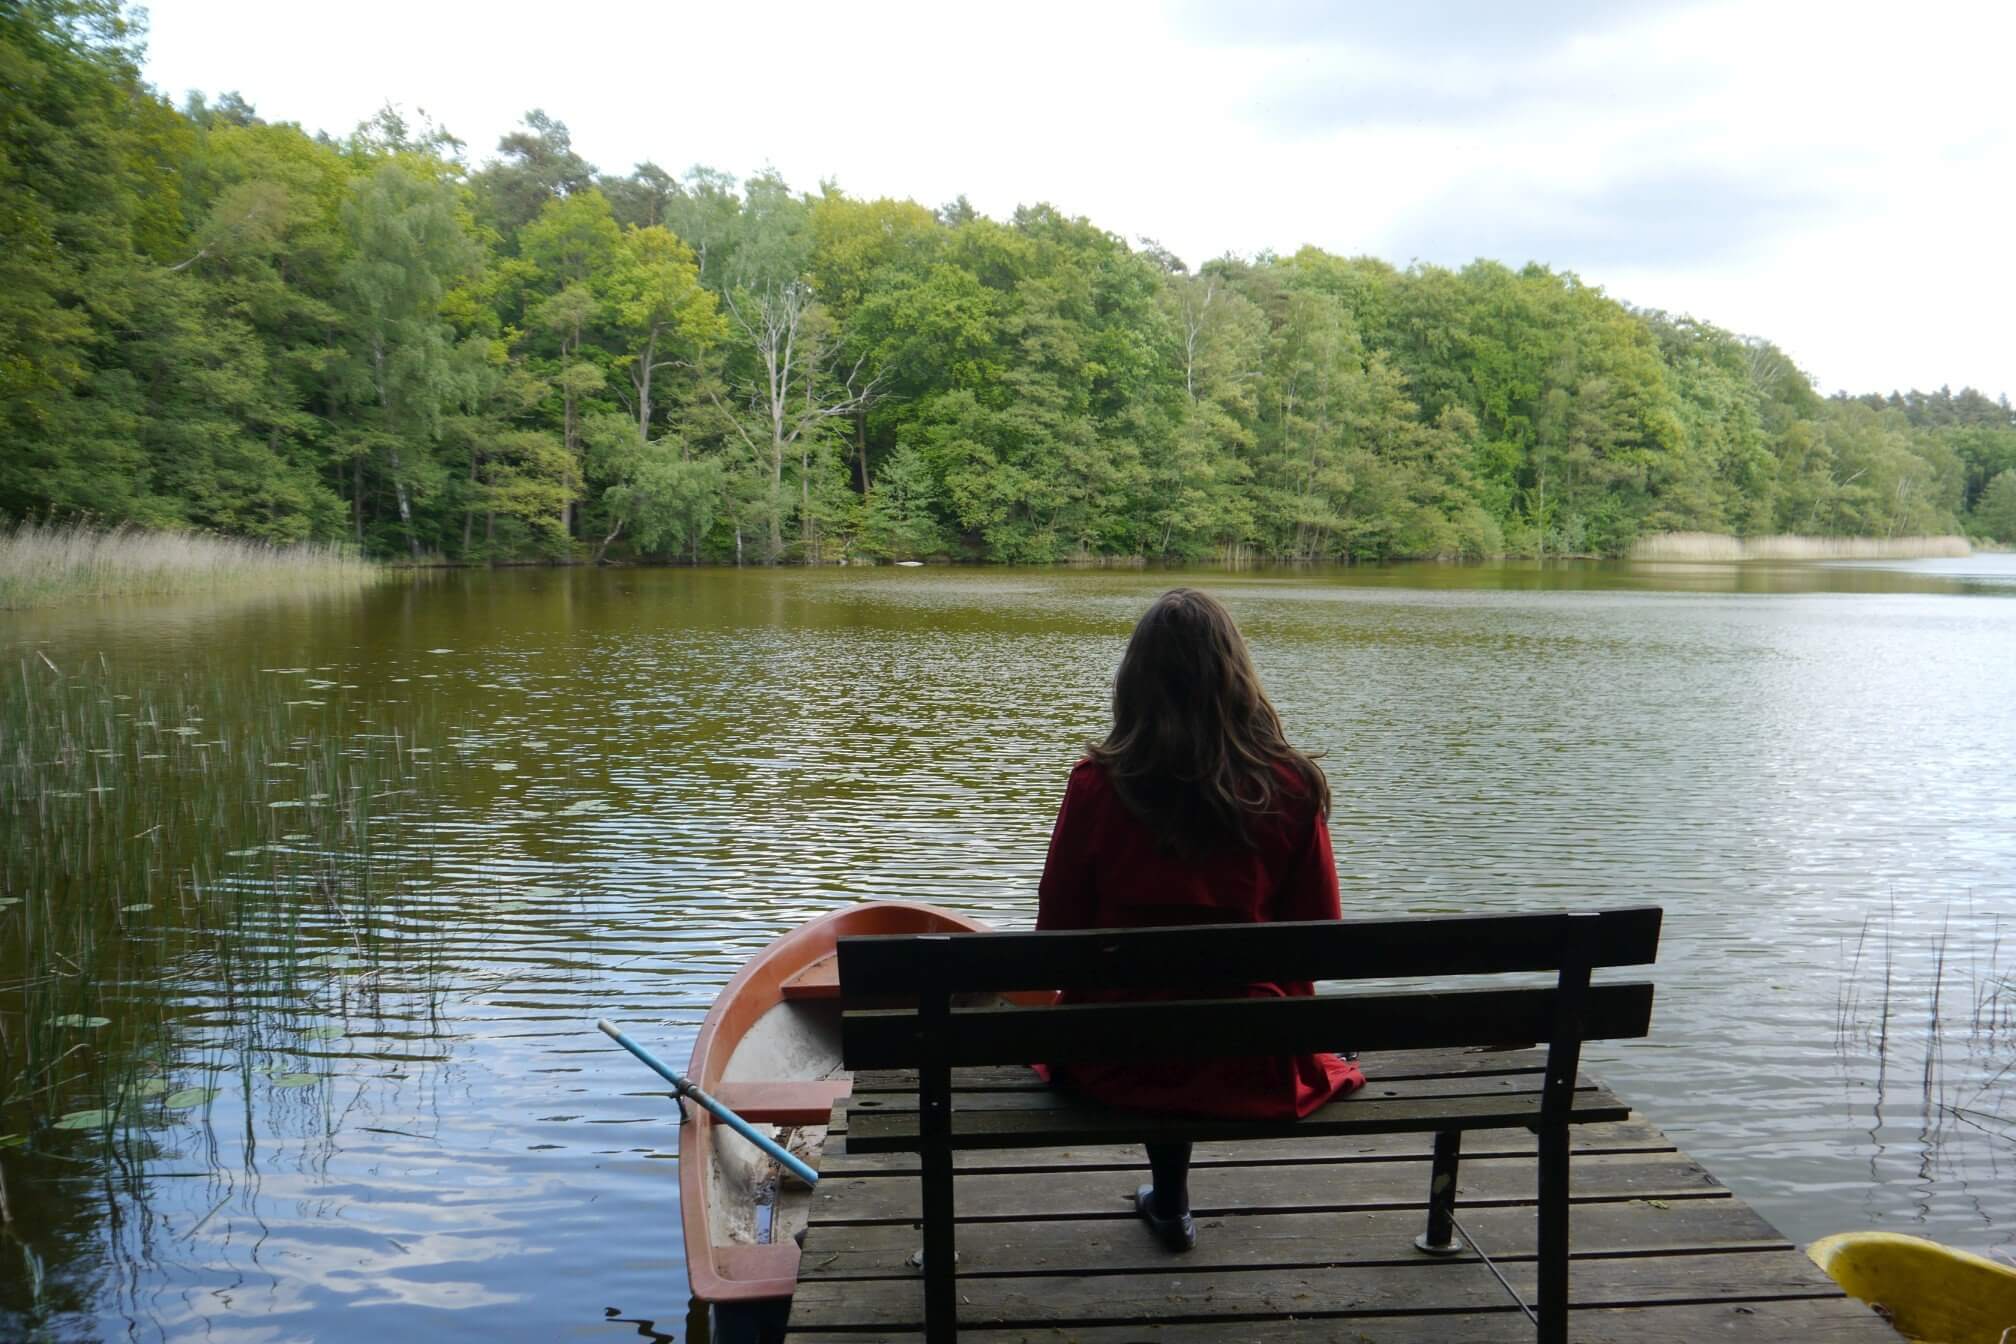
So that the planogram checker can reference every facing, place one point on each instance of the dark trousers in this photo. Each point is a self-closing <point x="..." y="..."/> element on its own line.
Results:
<point x="1170" y="1163"/>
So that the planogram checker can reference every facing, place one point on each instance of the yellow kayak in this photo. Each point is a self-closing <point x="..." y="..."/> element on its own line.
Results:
<point x="1930" y="1292"/>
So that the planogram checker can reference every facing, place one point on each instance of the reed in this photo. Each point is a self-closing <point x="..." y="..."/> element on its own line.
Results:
<point x="205" y="872"/>
<point x="44" y="563"/>
<point x="1715" y="547"/>
<point x="1960" y="985"/>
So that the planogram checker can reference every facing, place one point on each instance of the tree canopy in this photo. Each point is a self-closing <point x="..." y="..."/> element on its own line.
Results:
<point x="212" y="321"/>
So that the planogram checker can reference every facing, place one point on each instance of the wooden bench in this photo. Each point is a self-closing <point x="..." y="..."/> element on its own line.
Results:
<point x="950" y="1045"/>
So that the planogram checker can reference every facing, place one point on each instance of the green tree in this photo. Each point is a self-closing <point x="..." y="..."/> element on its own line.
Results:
<point x="407" y="248"/>
<point x="1995" y="515"/>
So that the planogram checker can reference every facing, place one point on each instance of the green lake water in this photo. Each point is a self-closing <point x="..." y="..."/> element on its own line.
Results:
<point x="310" y="904"/>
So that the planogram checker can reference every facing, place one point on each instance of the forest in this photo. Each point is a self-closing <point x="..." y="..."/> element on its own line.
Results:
<point x="213" y="322"/>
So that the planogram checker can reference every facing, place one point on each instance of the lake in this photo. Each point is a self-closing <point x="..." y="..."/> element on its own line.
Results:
<point x="310" y="904"/>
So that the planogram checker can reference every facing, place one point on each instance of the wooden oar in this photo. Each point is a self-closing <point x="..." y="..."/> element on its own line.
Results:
<point x="686" y="1089"/>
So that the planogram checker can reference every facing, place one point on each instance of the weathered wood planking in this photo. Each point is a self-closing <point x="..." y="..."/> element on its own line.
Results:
<point x="1381" y="1288"/>
<point x="1808" y="1321"/>
<point x="1122" y="1245"/>
<point x="1305" y="1239"/>
<point x="1300" y="1187"/>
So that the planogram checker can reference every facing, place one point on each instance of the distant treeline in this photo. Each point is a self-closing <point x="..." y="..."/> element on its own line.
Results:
<point x="211" y="321"/>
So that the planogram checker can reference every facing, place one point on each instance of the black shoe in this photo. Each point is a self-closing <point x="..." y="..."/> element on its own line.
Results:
<point x="1176" y="1234"/>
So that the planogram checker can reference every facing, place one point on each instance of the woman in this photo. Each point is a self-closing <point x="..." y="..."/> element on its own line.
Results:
<point x="1194" y="810"/>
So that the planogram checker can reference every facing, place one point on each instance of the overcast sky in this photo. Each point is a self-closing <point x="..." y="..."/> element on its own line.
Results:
<point x="1832" y="176"/>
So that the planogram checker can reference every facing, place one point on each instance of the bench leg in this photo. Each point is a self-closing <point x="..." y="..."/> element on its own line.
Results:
<point x="1553" y="1257"/>
<point x="934" y="1132"/>
<point x="941" y="1308"/>
<point x="1439" y="1238"/>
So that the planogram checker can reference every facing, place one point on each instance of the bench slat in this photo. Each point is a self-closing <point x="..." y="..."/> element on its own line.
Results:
<point x="1313" y="1153"/>
<point x="1323" y="950"/>
<point x="1381" y="1065"/>
<point x="1202" y="1029"/>
<point x="1045" y="1099"/>
<point x="876" y="1132"/>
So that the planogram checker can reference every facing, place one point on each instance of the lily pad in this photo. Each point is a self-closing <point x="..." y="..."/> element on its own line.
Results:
<point x="6" y="901"/>
<point x="12" y="1140"/>
<point x="150" y="1087"/>
<point x="503" y="765"/>
<point x="584" y="806"/>
<point x="187" y="1097"/>
<point x="285" y="802"/>
<point x="323" y="1033"/>
<point x="295" y="1080"/>
<point x="137" y="907"/>
<point x="79" y="1020"/>
<point x="245" y="853"/>
<point x="184" y="731"/>
<point x="84" y="1120"/>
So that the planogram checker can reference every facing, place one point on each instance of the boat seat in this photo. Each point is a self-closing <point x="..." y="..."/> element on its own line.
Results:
<point x="753" y="1264"/>
<point x="820" y="980"/>
<point x="767" y="1103"/>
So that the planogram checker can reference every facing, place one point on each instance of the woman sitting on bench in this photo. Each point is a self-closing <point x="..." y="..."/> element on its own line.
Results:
<point x="1194" y="810"/>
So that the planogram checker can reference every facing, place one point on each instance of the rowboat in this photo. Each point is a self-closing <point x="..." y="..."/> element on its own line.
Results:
<point x="770" y="1051"/>
<point x="1930" y="1292"/>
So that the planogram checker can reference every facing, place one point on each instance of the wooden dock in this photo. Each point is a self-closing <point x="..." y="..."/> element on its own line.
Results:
<point x="1304" y="1240"/>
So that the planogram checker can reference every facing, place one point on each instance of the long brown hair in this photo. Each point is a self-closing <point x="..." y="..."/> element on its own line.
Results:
<point x="1195" y="745"/>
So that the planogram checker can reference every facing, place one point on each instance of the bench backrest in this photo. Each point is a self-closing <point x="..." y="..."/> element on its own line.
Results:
<point x="929" y="969"/>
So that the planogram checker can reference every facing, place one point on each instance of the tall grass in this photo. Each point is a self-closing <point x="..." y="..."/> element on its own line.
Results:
<point x="1713" y="546"/>
<point x="43" y="563"/>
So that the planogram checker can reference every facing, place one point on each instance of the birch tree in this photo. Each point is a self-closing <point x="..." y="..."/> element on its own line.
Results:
<point x="407" y="248"/>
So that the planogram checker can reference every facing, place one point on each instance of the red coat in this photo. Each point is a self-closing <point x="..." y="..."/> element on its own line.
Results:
<point x="1105" y="871"/>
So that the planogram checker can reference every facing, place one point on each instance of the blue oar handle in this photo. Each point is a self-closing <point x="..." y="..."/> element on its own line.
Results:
<point x="699" y="1098"/>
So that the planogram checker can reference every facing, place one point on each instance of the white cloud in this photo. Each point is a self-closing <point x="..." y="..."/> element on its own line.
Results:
<point x="1833" y="177"/>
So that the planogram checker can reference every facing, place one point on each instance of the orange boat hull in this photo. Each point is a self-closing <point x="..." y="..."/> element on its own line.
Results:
<point x="789" y="984"/>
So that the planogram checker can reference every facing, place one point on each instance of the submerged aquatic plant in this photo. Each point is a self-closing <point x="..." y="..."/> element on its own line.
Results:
<point x="208" y="877"/>
<point x="1950" y="1030"/>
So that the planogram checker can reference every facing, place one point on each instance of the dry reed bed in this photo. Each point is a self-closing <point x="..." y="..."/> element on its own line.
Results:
<point x="1713" y="546"/>
<point x="44" y="563"/>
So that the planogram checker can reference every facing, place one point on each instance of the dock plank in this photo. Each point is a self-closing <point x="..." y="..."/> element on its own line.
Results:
<point x="1333" y="1292"/>
<point x="1839" y="1321"/>
<point x="1124" y="1246"/>
<point x="998" y="1197"/>
<point x="1304" y="1237"/>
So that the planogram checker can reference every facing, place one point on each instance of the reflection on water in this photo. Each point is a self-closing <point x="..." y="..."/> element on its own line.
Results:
<point x="553" y="796"/>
